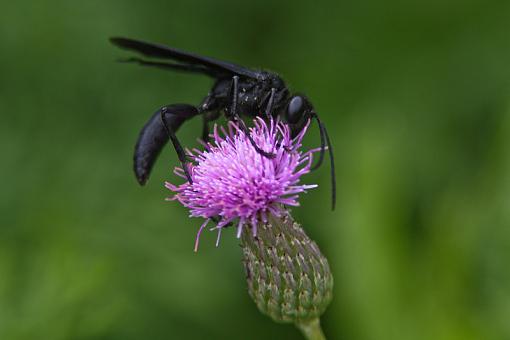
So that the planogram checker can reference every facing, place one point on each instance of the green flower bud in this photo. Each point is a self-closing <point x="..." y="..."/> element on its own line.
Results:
<point x="288" y="277"/>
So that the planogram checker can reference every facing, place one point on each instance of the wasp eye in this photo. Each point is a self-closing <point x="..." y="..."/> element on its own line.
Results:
<point x="295" y="109"/>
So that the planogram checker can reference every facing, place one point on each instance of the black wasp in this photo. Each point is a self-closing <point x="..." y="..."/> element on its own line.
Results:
<point x="236" y="89"/>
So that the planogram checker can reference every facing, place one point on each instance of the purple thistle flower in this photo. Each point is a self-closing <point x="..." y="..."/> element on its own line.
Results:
<point x="234" y="183"/>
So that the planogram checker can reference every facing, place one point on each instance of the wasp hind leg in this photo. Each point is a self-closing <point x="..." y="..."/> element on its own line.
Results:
<point x="162" y="125"/>
<point x="182" y="111"/>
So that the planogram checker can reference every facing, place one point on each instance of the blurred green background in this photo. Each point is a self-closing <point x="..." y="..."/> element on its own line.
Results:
<point x="416" y="98"/>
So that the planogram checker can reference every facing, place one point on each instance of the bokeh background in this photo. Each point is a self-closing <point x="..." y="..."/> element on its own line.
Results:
<point x="416" y="98"/>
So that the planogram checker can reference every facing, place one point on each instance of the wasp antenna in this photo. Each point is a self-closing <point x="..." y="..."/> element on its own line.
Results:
<point x="332" y="169"/>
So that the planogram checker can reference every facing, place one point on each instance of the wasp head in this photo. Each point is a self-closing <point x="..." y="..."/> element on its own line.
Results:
<point x="297" y="113"/>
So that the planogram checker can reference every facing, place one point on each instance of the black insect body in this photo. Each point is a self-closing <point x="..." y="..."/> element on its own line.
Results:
<point x="236" y="90"/>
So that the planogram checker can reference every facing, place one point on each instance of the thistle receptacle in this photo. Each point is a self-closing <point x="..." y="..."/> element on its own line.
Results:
<point x="288" y="277"/>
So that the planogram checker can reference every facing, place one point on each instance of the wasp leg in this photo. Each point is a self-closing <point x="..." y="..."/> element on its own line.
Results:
<point x="270" y="103"/>
<point x="234" y="116"/>
<point x="154" y="136"/>
<point x="205" y="129"/>
<point x="167" y="111"/>
<point x="206" y="118"/>
<point x="234" y="90"/>
<point x="210" y="110"/>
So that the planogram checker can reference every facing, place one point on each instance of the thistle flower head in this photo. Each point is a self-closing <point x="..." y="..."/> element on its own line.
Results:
<point x="233" y="183"/>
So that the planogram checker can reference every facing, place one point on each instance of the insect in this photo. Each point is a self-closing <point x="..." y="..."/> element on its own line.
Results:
<point x="236" y="90"/>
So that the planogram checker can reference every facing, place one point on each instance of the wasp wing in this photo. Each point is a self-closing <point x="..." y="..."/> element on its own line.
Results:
<point x="165" y="52"/>
<point x="173" y="66"/>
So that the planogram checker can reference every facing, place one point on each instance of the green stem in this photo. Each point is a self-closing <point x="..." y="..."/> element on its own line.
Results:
<point x="311" y="330"/>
